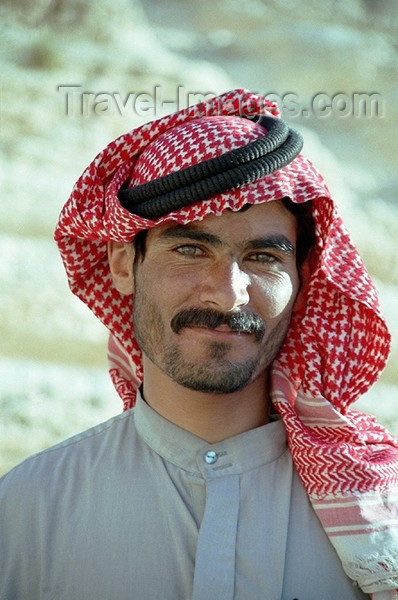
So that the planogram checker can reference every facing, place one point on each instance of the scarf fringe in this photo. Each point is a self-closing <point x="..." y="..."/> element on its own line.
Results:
<point x="376" y="572"/>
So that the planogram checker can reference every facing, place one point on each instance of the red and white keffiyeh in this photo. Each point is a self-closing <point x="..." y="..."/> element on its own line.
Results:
<point x="335" y="348"/>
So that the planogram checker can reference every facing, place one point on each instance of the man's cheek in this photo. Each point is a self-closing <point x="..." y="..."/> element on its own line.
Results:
<point x="278" y="301"/>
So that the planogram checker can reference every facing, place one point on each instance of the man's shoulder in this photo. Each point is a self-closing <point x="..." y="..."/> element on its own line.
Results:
<point x="76" y="452"/>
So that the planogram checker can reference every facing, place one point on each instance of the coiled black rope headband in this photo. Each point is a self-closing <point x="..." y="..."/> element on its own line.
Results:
<point x="276" y="149"/>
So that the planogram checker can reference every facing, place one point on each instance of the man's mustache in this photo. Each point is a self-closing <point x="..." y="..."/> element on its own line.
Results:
<point x="239" y="321"/>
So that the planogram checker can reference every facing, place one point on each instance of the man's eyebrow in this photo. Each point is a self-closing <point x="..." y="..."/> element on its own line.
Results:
<point x="278" y="242"/>
<point x="198" y="235"/>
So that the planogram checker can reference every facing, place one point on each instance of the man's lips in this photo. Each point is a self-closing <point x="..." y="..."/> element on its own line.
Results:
<point x="220" y="330"/>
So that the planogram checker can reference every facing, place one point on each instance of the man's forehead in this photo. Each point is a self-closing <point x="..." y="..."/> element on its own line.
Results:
<point x="250" y="222"/>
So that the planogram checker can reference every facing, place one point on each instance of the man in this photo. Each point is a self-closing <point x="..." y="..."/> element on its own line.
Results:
<point x="241" y="319"/>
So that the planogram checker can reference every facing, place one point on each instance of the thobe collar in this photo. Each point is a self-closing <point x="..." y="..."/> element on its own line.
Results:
<point x="234" y="455"/>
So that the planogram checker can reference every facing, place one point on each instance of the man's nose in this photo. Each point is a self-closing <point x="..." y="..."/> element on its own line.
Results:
<point x="225" y="287"/>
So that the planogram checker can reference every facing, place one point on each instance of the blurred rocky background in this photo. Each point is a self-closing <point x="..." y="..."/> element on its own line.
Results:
<point x="75" y="74"/>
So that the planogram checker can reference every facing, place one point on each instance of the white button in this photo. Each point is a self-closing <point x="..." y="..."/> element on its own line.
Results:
<point x="210" y="457"/>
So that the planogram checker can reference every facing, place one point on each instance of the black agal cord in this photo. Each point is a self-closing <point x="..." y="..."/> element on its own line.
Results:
<point x="276" y="149"/>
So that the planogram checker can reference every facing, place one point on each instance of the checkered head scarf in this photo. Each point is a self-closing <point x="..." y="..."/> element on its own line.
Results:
<point x="201" y="161"/>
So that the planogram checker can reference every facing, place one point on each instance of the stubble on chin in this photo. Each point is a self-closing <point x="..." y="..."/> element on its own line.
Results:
<point x="215" y="374"/>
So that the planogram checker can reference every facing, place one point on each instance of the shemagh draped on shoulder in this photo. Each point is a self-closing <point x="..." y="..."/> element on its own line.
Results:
<point x="336" y="346"/>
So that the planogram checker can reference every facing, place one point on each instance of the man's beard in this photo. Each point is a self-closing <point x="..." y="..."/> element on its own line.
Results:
<point x="215" y="373"/>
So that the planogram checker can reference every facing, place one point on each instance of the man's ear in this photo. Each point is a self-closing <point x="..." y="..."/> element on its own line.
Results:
<point x="121" y="259"/>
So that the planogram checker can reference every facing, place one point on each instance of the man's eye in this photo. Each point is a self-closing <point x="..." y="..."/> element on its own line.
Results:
<point x="263" y="257"/>
<point x="189" y="250"/>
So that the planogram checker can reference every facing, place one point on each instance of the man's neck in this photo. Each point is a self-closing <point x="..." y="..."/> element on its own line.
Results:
<point x="212" y="417"/>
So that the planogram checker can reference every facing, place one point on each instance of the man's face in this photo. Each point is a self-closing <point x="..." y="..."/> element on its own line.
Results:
<point x="213" y="299"/>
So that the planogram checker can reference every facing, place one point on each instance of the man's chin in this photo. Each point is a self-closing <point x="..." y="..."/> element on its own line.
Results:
<point x="217" y="376"/>
<point x="209" y="387"/>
